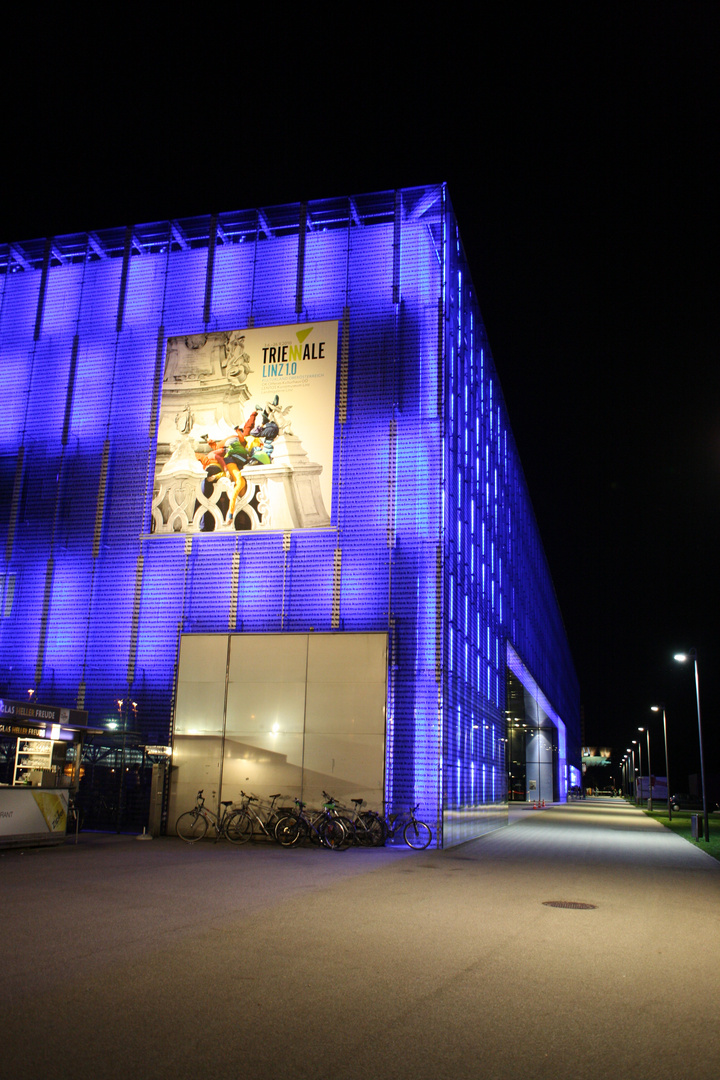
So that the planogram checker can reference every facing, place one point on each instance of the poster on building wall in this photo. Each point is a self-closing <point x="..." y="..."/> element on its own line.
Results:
<point x="246" y="430"/>
<point x="26" y="812"/>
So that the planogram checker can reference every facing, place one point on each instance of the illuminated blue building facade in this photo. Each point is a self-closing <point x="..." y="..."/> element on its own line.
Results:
<point x="431" y="537"/>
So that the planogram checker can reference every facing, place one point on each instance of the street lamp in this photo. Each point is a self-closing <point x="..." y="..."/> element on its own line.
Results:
<point x="636" y="742"/>
<point x="682" y="658"/>
<point x="661" y="708"/>
<point x="630" y="772"/>
<point x="631" y="751"/>
<point x="647" y="732"/>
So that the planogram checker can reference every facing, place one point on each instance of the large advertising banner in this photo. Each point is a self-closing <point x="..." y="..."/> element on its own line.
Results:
<point x="27" y="814"/>
<point x="246" y="430"/>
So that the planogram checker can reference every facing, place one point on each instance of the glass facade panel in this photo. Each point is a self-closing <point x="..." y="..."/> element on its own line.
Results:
<point x="316" y="724"/>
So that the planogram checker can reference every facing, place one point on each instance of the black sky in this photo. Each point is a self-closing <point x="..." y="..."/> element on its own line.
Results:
<point x="578" y="143"/>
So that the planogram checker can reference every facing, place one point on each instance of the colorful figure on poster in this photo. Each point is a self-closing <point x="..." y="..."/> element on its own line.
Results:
<point x="236" y="457"/>
<point x="252" y="444"/>
<point x="279" y="416"/>
<point x="236" y="448"/>
<point x="239" y="488"/>
<point x="214" y="461"/>
<point x="260" y="419"/>
<point x="264" y="445"/>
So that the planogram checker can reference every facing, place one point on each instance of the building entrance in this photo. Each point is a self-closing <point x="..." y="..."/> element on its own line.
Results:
<point x="535" y="756"/>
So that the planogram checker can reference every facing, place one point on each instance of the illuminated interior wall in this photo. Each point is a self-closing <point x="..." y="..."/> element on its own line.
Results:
<point x="433" y="538"/>
<point x="537" y="735"/>
<point x="297" y="714"/>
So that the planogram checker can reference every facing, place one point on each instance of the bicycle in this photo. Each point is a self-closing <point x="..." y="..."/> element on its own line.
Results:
<point x="366" y="828"/>
<point x="193" y="824"/>
<point x="320" y="826"/>
<point x="260" y="821"/>
<point x="416" y="834"/>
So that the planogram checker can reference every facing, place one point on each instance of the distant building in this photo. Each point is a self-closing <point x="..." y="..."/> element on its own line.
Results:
<point x="597" y="756"/>
<point x="259" y="484"/>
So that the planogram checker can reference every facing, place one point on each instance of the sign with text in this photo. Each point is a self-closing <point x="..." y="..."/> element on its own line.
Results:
<point x="246" y="430"/>
<point x="17" y="715"/>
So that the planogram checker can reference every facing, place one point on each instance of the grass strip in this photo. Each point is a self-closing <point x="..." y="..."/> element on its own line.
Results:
<point x="681" y="825"/>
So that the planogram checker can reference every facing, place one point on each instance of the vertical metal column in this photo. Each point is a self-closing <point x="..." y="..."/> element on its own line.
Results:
<point x="212" y="239"/>
<point x="299" y="281"/>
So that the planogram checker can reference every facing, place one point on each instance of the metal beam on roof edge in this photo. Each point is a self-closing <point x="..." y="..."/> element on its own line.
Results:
<point x="96" y="246"/>
<point x="178" y="236"/>
<point x="264" y="224"/>
<point x="19" y="257"/>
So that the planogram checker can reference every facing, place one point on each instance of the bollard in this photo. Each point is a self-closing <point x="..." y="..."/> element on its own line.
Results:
<point x="695" y="828"/>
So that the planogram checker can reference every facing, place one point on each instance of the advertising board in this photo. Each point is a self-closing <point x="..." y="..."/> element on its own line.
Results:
<point x="32" y="815"/>
<point x="246" y="430"/>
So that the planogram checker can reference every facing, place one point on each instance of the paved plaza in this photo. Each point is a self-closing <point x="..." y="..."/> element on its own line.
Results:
<point x="153" y="959"/>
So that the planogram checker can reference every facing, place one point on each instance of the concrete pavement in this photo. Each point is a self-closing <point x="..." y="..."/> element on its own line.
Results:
<point x="162" y="960"/>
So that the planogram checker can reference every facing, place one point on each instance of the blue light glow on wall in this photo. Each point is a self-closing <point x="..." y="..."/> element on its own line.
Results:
<point x="432" y="539"/>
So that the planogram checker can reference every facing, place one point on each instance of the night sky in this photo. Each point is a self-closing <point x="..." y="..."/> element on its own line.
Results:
<point x="578" y="144"/>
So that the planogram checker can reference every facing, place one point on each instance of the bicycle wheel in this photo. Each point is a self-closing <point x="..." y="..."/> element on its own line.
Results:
<point x="332" y="834"/>
<point x="353" y="834"/>
<point x="271" y="824"/>
<point x="191" y="826"/>
<point x="239" y="828"/>
<point x="290" y="831"/>
<point x="371" y="832"/>
<point x="417" y="834"/>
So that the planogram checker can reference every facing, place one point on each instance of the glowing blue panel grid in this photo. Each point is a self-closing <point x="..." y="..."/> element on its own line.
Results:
<point x="432" y="538"/>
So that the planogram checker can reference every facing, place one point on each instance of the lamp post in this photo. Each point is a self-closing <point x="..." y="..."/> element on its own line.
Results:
<point x="649" y="803"/>
<point x="682" y="658"/>
<point x="636" y="742"/>
<point x="661" y="708"/>
<point x="128" y="706"/>
<point x="631" y="751"/>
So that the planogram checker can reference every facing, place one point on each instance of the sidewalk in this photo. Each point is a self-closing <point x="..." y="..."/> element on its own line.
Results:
<point x="163" y="960"/>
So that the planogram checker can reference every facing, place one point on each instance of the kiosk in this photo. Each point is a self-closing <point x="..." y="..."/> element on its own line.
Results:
<point x="39" y="770"/>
